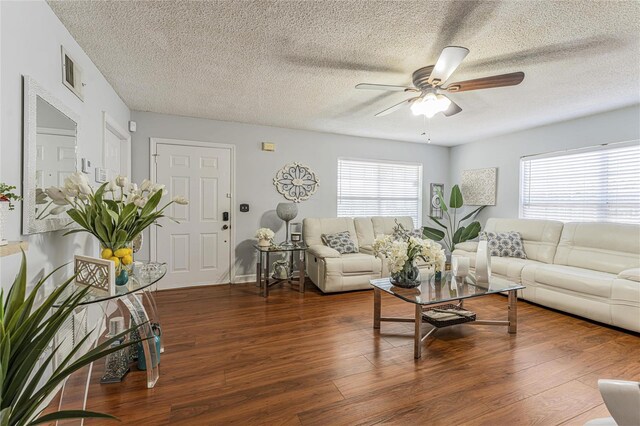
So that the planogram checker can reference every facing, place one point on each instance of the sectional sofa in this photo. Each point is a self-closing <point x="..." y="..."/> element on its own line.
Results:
<point x="587" y="269"/>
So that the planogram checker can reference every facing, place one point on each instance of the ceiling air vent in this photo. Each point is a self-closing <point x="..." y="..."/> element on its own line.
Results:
<point x="72" y="75"/>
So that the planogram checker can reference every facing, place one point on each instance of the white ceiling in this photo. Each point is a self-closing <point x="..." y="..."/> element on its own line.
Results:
<point x="295" y="63"/>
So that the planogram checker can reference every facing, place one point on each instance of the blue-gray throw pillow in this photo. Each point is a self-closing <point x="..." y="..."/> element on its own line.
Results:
<point x="341" y="242"/>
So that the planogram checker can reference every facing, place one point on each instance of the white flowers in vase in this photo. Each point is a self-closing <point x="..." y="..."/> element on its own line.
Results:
<point x="400" y="252"/>
<point x="264" y="236"/>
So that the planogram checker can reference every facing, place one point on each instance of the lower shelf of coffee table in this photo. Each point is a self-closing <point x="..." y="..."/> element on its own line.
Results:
<point x="447" y="322"/>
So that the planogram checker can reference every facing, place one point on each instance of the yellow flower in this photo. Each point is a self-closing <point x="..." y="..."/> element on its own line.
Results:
<point x="115" y="260"/>
<point x="107" y="253"/>
<point x="121" y="252"/>
<point x="127" y="260"/>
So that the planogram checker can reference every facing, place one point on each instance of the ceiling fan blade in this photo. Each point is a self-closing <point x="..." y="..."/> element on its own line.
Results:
<point x="453" y="109"/>
<point x="395" y="107"/>
<point x="450" y="58"/>
<point x="367" y="86"/>
<point x="503" y="80"/>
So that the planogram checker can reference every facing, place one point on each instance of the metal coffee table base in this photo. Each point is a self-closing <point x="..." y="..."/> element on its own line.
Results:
<point x="419" y="336"/>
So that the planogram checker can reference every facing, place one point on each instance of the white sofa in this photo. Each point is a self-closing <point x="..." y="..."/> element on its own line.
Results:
<point x="587" y="269"/>
<point x="332" y="272"/>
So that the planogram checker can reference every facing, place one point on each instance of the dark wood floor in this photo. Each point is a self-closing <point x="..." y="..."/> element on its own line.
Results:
<point x="233" y="357"/>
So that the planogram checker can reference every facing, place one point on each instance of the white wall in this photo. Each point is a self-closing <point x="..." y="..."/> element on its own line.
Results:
<point x="255" y="169"/>
<point x="504" y="152"/>
<point x="30" y="40"/>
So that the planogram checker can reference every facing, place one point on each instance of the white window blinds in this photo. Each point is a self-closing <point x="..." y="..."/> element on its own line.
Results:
<point x="599" y="184"/>
<point x="377" y="188"/>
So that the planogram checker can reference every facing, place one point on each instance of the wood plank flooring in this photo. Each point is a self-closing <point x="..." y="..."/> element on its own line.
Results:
<point x="233" y="357"/>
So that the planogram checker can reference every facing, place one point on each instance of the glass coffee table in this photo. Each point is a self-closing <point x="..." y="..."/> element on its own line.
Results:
<point x="448" y="293"/>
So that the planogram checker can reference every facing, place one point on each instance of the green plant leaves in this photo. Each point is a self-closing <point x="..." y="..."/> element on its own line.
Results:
<point x="26" y="332"/>
<point x="470" y="232"/>
<point x="71" y="414"/>
<point x="456" y="201"/>
<point x="432" y="233"/>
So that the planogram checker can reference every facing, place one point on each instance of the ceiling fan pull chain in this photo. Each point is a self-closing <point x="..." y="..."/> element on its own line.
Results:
<point x="427" y="129"/>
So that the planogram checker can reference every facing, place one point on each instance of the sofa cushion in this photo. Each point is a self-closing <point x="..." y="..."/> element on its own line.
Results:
<point x="340" y="242"/>
<point x="509" y="267"/>
<point x="605" y="247"/>
<point x="364" y="231"/>
<point x="539" y="237"/>
<point x="313" y="228"/>
<point x="355" y="263"/>
<point x="504" y="244"/>
<point x="570" y="278"/>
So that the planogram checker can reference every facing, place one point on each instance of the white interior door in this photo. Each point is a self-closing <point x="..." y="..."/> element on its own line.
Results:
<point x="197" y="249"/>
<point x="116" y="154"/>
<point x="56" y="159"/>
<point x="113" y="155"/>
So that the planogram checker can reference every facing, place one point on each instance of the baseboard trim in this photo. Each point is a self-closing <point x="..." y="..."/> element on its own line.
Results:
<point x="242" y="279"/>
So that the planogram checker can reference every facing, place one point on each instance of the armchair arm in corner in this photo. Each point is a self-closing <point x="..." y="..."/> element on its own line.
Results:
<point x="318" y="250"/>
<point x="470" y="246"/>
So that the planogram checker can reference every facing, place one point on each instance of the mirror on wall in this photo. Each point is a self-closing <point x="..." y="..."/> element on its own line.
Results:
<point x="50" y="155"/>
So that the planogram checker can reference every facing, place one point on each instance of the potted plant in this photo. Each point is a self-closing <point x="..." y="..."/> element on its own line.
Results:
<point x="265" y="236"/>
<point x="116" y="213"/>
<point x="402" y="255"/>
<point x="453" y="232"/>
<point x="7" y="198"/>
<point x="27" y="374"/>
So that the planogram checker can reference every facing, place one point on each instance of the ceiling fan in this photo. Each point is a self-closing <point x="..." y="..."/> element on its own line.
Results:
<point x="429" y="82"/>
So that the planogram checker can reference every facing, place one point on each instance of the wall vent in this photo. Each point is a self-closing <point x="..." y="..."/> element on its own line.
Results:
<point x="72" y="75"/>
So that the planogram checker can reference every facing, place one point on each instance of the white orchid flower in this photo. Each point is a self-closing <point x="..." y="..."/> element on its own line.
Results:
<point x="140" y="202"/>
<point x="56" y="194"/>
<point x="146" y="185"/>
<point x="180" y="200"/>
<point x="57" y="210"/>
<point x="121" y="181"/>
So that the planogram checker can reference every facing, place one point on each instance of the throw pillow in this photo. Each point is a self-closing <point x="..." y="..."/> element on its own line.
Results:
<point x="504" y="244"/>
<point x="341" y="242"/>
<point x="401" y="233"/>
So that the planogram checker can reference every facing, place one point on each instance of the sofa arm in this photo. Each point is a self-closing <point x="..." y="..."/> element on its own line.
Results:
<point x="468" y="246"/>
<point x="630" y="274"/>
<point x="318" y="250"/>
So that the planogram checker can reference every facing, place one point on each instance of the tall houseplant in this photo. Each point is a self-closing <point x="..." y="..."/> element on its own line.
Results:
<point x="453" y="231"/>
<point x="27" y="376"/>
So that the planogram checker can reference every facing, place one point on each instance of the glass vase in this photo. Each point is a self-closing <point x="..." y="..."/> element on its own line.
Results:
<point x="407" y="277"/>
<point x="122" y="255"/>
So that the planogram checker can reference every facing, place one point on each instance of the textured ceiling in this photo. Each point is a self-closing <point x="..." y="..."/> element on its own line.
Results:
<point x="295" y="63"/>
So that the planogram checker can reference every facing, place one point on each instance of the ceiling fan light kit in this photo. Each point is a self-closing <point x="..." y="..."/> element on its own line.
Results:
<point x="430" y="105"/>
<point x="429" y="81"/>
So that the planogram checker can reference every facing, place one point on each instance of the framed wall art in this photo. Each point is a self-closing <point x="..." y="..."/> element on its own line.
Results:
<point x="479" y="186"/>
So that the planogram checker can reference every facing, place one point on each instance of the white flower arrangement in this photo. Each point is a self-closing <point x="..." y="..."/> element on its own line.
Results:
<point x="265" y="234"/>
<point x="399" y="252"/>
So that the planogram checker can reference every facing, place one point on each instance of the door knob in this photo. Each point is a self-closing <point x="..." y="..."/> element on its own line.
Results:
<point x="225" y="226"/>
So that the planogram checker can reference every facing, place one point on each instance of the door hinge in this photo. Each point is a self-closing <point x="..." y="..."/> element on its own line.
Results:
<point x="155" y="158"/>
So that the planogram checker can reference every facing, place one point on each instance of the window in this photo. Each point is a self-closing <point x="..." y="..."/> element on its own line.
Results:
<point x="594" y="184"/>
<point x="379" y="188"/>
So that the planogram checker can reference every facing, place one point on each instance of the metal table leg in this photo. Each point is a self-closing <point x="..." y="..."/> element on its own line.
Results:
<point x="417" y="336"/>
<point x="301" y="271"/>
<point x="376" y="308"/>
<point x="513" y="311"/>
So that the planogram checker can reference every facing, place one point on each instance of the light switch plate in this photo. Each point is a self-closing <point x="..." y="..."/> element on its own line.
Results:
<point x="101" y="175"/>
<point x="268" y="146"/>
